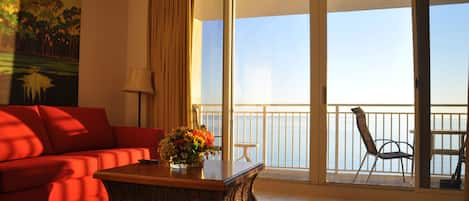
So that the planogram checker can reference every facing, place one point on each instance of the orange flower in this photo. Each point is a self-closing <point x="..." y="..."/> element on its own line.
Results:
<point x="210" y="138"/>
<point x="199" y="133"/>
<point x="206" y="135"/>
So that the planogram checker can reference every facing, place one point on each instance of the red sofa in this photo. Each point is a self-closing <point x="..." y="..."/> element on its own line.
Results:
<point x="51" y="153"/>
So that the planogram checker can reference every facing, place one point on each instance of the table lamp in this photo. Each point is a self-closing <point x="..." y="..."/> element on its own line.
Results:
<point x="139" y="81"/>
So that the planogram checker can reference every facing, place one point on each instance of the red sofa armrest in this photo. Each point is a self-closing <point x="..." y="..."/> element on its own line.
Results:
<point x="138" y="137"/>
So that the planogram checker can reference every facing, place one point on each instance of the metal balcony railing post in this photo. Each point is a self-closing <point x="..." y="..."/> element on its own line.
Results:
<point x="199" y="118"/>
<point x="336" y="139"/>
<point x="264" y="130"/>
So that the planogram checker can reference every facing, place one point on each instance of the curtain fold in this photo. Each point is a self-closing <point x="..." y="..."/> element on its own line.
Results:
<point x="170" y="27"/>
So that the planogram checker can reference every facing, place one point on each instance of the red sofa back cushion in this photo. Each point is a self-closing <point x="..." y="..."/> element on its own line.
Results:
<point x="77" y="129"/>
<point x="22" y="133"/>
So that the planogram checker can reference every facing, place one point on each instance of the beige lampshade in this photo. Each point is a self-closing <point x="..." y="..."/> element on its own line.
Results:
<point x="139" y="80"/>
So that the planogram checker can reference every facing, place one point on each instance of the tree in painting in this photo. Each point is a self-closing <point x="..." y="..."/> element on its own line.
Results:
<point x="39" y="51"/>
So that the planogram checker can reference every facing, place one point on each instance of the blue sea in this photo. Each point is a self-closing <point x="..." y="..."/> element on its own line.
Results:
<point x="287" y="139"/>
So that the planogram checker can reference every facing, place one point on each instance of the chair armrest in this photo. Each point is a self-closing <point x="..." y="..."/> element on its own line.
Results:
<point x="138" y="137"/>
<point x="397" y="143"/>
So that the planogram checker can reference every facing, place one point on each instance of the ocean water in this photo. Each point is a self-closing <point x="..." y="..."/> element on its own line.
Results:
<point x="286" y="139"/>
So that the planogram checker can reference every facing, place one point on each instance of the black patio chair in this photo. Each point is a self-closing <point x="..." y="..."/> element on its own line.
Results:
<point x="379" y="153"/>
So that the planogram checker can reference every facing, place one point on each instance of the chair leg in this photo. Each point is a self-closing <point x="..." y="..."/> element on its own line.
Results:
<point x="457" y="173"/>
<point x="372" y="168"/>
<point x="412" y="166"/>
<point x="360" y="168"/>
<point x="402" y="169"/>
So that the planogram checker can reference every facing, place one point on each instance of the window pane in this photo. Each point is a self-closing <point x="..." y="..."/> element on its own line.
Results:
<point x="207" y="65"/>
<point x="271" y="84"/>
<point x="449" y="53"/>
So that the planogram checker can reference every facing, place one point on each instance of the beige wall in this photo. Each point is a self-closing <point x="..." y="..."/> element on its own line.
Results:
<point x="136" y="54"/>
<point x="113" y="39"/>
<point x="103" y="56"/>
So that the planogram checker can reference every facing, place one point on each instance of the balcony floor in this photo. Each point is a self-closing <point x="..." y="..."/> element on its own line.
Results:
<point x="381" y="180"/>
<point x="377" y="179"/>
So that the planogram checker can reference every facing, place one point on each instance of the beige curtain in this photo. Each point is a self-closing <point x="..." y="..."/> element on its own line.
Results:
<point x="170" y="27"/>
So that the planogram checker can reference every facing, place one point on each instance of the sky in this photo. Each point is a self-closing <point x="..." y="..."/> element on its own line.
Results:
<point x="370" y="57"/>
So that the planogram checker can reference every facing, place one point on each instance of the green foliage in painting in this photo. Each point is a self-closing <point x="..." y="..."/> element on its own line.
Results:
<point x="8" y="19"/>
<point x="41" y="27"/>
<point x="39" y="51"/>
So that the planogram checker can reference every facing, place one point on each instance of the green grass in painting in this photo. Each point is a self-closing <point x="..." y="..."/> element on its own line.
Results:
<point x="10" y="63"/>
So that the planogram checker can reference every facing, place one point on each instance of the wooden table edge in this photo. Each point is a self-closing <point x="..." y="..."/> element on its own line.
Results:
<point x="253" y="171"/>
<point x="178" y="182"/>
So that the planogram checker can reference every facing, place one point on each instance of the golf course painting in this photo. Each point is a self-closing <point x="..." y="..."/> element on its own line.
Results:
<point x="39" y="52"/>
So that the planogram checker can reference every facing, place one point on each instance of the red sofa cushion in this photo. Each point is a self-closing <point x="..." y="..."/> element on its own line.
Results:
<point x="74" y="189"/>
<point x="40" y="193"/>
<point x="77" y="129"/>
<point x="33" y="172"/>
<point x="110" y="158"/>
<point x="22" y="133"/>
<point x="78" y="189"/>
<point x="139" y="137"/>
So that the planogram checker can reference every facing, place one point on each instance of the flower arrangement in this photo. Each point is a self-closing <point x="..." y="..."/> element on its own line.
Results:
<point x="186" y="146"/>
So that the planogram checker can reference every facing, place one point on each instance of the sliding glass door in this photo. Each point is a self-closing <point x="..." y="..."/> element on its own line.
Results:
<point x="271" y="85"/>
<point x="370" y="65"/>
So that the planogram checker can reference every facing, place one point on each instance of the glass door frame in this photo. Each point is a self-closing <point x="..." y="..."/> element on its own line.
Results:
<point x="318" y="86"/>
<point x="421" y="38"/>
<point x="227" y="105"/>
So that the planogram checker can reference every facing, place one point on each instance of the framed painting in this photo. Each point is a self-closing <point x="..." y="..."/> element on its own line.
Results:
<point x="39" y="52"/>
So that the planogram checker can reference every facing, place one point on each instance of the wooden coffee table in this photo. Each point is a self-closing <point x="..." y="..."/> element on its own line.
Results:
<point x="216" y="181"/>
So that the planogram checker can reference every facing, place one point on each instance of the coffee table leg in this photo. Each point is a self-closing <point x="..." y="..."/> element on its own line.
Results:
<point x="252" y="197"/>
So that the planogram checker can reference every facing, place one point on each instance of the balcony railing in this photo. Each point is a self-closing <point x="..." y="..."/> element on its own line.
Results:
<point x="281" y="132"/>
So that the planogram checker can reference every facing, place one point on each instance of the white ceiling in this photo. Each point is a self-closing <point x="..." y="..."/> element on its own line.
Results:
<point x="212" y="9"/>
